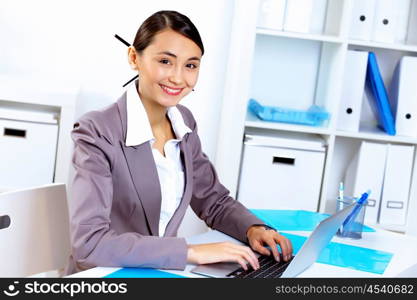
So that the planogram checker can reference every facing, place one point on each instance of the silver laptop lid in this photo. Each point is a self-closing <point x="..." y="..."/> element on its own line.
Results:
<point x="316" y="242"/>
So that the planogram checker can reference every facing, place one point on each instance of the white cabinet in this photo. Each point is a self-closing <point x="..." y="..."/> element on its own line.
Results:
<point x="296" y="70"/>
<point x="27" y="149"/>
<point x="270" y="166"/>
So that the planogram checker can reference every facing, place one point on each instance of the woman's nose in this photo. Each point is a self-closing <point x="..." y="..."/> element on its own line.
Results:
<point x="176" y="76"/>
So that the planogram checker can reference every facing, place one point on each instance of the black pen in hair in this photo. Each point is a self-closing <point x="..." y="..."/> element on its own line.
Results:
<point x="127" y="44"/>
<point x="122" y="40"/>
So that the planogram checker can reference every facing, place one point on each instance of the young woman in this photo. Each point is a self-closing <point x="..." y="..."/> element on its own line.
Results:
<point x="139" y="164"/>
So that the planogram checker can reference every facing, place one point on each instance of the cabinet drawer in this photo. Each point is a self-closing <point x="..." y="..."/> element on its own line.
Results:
<point x="280" y="178"/>
<point x="27" y="153"/>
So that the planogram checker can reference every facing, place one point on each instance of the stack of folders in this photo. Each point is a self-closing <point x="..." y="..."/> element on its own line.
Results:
<point x="386" y="170"/>
<point x="395" y="108"/>
<point x="292" y="15"/>
<point x="387" y="21"/>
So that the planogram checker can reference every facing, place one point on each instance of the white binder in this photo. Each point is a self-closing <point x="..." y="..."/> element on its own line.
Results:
<point x="298" y="15"/>
<point x="353" y="90"/>
<point x="403" y="96"/>
<point x="396" y="188"/>
<point x="366" y="172"/>
<point x="412" y="24"/>
<point x="384" y="21"/>
<point x="271" y="14"/>
<point x="318" y="16"/>
<point x="362" y="19"/>
<point x="402" y="8"/>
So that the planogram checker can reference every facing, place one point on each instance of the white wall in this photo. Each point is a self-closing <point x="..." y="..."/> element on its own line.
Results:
<point x="61" y="44"/>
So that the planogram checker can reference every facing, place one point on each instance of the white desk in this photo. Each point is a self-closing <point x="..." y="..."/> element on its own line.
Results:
<point x="403" y="247"/>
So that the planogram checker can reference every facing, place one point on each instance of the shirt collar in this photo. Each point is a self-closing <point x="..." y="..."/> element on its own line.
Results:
<point x="139" y="129"/>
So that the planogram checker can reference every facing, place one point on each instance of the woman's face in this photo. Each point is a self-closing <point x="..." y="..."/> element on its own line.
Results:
<point x="168" y="68"/>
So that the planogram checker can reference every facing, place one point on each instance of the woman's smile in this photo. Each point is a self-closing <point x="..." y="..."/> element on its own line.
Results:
<point x="170" y="90"/>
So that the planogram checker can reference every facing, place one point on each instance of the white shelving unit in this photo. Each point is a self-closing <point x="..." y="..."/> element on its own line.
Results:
<point x="296" y="70"/>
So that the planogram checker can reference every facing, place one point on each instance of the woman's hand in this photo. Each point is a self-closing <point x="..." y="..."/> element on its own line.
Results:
<point x="258" y="236"/>
<point x="222" y="252"/>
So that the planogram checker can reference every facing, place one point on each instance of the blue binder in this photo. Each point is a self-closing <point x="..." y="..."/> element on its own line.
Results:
<point x="379" y="102"/>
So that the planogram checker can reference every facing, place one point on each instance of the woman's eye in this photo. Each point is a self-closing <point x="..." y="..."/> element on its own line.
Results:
<point x="164" y="61"/>
<point x="191" y="66"/>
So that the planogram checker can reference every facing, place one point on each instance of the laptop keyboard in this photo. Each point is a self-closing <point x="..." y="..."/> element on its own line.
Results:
<point x="269" y="268"/>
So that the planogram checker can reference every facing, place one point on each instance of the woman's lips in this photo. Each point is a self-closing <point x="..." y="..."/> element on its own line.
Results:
<point x="171" y="91"/>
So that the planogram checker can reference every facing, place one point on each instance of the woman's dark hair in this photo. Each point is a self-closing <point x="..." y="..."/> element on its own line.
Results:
<point x="162" y="20"/>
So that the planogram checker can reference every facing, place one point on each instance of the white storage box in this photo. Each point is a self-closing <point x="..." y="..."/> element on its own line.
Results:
<point x="27" y="148"/>
<point x="281" y="171"/>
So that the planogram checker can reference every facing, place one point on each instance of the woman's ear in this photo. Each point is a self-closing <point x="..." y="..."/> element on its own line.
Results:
<point x="132" y="57"/>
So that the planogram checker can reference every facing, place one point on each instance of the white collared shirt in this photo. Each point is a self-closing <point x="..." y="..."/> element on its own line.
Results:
<point x="170" y="168"/>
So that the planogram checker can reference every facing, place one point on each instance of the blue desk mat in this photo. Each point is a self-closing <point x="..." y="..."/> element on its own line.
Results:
<point x="336" y="254"/>
<point x="347" y="256"/>
<point x="141" y="273"/>
<point x="294" y="220"/>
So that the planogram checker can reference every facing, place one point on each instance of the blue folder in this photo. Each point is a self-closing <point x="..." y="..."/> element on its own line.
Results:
<point x="294" y="220"/>
<point x="141" y="273"/>
<point x="347" y="256"/>
<point x="379" y="102"/>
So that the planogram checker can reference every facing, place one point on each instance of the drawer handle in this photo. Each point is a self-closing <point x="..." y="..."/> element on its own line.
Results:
<point x="4" y="222"/>
<point x="14" y="132"/>
<point x="283" y="160"/>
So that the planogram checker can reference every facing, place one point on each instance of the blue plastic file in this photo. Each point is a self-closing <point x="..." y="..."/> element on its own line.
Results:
<point x="294" y="220"/>
<point x="314" y="116"/>
<point x="347" y="256"/>
<point x="336" y="254"/>
<point x="141" y="273"/>
<point x="379" y="102"/>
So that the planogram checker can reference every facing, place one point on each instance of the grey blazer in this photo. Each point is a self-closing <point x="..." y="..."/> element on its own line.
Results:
<point x="116" y="197"/>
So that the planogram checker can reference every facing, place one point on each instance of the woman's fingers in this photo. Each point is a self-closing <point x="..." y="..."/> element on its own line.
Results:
<point x="286" y="246"/>
<point x="222" y="252"/>
<point x="257" y="246"/>
<point x="270" y="241"/>
<point x="246" y="253"/>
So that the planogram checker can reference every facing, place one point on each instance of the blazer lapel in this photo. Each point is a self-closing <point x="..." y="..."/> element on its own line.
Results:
<point x="145" y="178"/>
<point x="143" y="171"/>
<point x="179" y="213"/>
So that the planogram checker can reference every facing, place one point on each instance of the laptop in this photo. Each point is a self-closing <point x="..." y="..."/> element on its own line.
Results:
<point x="306" y="256"/>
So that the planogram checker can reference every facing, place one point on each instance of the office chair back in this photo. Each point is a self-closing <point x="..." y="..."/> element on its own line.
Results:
<point x="34" y="231"/>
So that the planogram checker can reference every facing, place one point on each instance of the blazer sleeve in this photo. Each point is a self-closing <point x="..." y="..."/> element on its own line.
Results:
<point x="211" y="200"/>
<point x="94" y="243"/>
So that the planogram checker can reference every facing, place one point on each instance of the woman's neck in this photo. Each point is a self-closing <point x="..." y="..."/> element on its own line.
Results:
<point x="156" y="113"/>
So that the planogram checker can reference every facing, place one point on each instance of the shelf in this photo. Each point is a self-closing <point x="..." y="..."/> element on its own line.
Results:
<point x="255" y="122"/>
<point x="372" y="133"/>
<point x="371" y="44"/>
<point x="302" y="36"/>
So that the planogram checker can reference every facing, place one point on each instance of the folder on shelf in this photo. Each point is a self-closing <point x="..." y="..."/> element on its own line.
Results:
<point x="318" y="17"/>
<point x="403" y="96"/>
<point x="395" y="192"/>
<point x="402" y="10"/>
<point x="298" y="15"/>
<point x="379" y="99"/>
<point x="384" y="21"/>
<point x="412" y="24"/>
<point x="353" y="90"/>
<point x="271" y="14"/>
<point x="366" y="172"/>
<point x="362" y="19"/>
